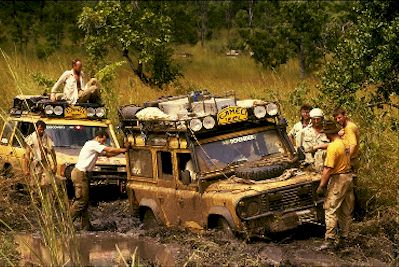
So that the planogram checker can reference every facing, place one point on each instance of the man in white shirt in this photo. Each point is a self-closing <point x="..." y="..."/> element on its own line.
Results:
<point x="75" y="90"/>
<point x="86" y="162"/>
<point x="303" y="123"/>
<point x="39" y="147"/>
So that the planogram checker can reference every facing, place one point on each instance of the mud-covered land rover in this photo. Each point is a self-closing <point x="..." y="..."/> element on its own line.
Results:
<point x="69" y="127"/>
<point x="202" y="161"/>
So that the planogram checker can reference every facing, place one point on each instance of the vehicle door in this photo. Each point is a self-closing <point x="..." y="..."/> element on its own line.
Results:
<point x="22" y="130"/>
<point x="188" y="199"/>
<point x="166" y="191"/>
<point x="6" y="149"/>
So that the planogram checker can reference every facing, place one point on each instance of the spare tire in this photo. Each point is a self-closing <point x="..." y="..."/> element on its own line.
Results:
<point x="129" y="112"/>
<point x="264" y="172"/>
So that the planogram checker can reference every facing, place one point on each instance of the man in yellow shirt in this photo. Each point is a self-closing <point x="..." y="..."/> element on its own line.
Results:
<point x="340" y="199"/>
<point x="350" y="136"/>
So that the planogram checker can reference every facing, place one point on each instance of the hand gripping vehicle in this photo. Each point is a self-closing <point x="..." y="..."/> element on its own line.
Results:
<point x="203" y="161"/>
<point x="69" y="127"/>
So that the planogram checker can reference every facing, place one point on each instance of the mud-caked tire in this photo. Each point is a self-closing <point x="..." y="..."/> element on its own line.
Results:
<point x="264" y="172"/>
<point x="149" y="220"/>
<point x="224" y="228"/>
<point x="6" y="171"/>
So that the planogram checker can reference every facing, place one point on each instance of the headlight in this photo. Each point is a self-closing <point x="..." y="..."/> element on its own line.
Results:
<point x="195" y="125"/>
<point x="248" y="208"/>
<point x="58" y="110"/>
<point x="260" y="112"/>
<point x="100" y="112"/>
<point x="208" y="122"/>
<point x="96" y="169"/>
<point x="91" y="112"/>
<point x="272" y="109"/>
<point x="48" y="110"/>
<point x="121" y="169"/>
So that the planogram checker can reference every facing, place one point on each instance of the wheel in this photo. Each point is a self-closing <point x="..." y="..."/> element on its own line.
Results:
<point x="224" y="227"/>
<point x="149" y="220"/>
<point x="7" y="171"/>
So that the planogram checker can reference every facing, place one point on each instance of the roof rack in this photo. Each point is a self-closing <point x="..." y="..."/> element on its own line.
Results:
<point x="197" y="111"/>
<point x="42" y="106"/>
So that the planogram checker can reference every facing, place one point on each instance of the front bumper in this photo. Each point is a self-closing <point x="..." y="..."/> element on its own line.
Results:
<point x="107" y="178"/>
<point x="260" y="225"/>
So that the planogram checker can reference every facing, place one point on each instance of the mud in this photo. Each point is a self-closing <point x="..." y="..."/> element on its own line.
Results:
<point x="373" y="242"/>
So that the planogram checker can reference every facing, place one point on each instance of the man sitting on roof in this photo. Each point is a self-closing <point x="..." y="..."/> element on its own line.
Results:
<point x="75" y="91"/>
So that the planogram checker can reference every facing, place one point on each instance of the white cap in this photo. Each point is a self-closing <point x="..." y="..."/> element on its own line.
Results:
<point x="316" y="113"/>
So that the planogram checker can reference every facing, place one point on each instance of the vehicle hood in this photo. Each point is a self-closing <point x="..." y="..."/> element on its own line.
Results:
<point x="244" y="187"/>
<point x="71" y="155"/>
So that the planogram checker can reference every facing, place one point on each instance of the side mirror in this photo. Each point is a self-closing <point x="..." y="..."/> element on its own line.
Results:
<point x="185" y="177"/>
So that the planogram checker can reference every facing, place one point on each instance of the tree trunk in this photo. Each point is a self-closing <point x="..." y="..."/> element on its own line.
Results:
<point x="203" y="21"/>
<point x="301" y="61"/>
<point x="137" y="70"/>
<point x="250" y="13"/>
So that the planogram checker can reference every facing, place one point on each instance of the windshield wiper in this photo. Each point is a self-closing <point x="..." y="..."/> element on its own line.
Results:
<point x="236" y="162"/>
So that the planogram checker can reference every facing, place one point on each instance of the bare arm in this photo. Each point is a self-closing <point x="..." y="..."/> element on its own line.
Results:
<point x="325" y="176"/>
<point x="27" y="161"/>
<point x="111" y="151"/>
<point x="54" y="157"/>
<point x="60" y="81"/>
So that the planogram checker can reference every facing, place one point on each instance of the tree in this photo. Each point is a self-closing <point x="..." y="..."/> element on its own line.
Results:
<point x="139" y="34"/>
<point x="279" y="30"/>
<point x="366" y="58"/>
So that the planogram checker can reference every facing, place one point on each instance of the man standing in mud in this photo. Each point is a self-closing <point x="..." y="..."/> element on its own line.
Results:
<point x="350" y="136"/>
<point x="313" y="141"/>
<point x="75" y="91"/>
<point x="303" y="123"/>
<point x="340" y="199"/>
<point x="38" y="146"/>
<point x="86" y="162"/>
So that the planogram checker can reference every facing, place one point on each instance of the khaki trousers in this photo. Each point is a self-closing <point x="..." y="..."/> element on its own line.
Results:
<point x="338" y="206"/>
<point x="80" y="205"/>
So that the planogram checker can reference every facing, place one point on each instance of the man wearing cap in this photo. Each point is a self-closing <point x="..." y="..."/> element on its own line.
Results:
<point x="91" y="150"/>
<point x="313" y="141"/>
<point x="340" y="199"/>
<point x="350" y="136"/>
<point x="300" y="125"/>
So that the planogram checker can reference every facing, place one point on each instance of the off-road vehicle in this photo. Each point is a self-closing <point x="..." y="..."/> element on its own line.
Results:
<point x="202" y="161"/>
<point x="69" y="127"/>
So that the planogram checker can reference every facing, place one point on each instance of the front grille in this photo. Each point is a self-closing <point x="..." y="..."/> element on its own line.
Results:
<point x="291" y="198"/>
<point x="110" y="168"/>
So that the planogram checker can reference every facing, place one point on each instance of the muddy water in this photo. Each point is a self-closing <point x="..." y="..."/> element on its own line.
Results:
<point x="99" y="249"/>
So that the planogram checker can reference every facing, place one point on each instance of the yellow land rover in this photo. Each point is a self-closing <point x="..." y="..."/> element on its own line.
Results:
<point x="202" y="161"/>
<point x="69" y="127"/>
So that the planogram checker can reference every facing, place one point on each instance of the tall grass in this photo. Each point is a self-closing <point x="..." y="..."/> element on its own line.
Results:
<point x="50" y="205"/>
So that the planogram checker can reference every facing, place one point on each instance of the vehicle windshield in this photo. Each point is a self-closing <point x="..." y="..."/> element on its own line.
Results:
<point x="231" y="151"/>
<point x="73" y="136"/>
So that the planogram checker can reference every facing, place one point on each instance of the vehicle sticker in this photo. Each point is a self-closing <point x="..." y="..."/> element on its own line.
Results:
<point x="75" y="112"/>
<point x="239" y="139"/>
<point x="49" y="126"/>
<point x="232" y="115"/>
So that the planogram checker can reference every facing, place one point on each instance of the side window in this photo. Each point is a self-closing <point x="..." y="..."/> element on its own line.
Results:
<point x="23" y="130"/>
<point x="185" y="163"/>
<point x="140" y="162"/>
<point x="7" y="132"/>
<point x="165" y="166"/>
